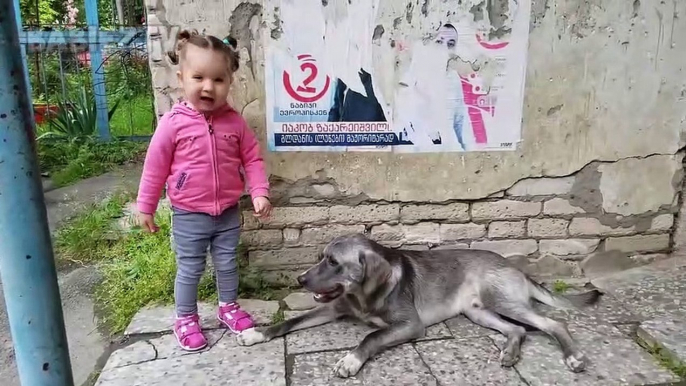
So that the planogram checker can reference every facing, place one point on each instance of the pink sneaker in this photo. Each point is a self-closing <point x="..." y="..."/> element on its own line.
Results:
<point x="189" y="334"/>
<point x="233" y="317"/>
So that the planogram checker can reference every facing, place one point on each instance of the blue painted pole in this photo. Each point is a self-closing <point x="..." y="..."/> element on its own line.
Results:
<point x="27" y="265"/>
<point x="98" y="70"/>
<point x="24" y="58"/>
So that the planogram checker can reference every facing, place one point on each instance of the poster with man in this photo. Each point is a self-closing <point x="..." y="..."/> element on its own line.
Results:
<point x="350" y="76"/>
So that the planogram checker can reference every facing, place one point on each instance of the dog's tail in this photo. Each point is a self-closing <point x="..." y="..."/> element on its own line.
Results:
<point x="544" y="296"/>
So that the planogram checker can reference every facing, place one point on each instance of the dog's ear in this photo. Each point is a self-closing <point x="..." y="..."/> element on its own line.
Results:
<point x="375" y="268"/>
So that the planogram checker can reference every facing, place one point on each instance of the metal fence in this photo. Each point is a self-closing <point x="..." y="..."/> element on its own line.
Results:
<point x="87" y="67"/>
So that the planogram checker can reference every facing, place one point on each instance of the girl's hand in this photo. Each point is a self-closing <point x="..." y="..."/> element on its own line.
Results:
<point x="147" y="222"/>
<point x="263" y="207"/>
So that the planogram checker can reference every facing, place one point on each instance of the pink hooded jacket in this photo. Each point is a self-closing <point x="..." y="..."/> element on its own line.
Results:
<point x="200" y="160"/>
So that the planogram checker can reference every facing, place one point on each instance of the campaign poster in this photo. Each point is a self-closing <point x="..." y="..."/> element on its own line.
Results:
<point x="337" y="79"/>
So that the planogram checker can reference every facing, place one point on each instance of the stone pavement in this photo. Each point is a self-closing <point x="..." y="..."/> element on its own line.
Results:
<point x="645" y="302"/>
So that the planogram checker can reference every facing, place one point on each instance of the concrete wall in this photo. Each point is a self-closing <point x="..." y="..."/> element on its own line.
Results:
<point x="596" y="179"/>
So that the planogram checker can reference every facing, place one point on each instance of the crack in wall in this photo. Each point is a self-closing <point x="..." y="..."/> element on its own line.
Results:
<point x="322" y="190"/>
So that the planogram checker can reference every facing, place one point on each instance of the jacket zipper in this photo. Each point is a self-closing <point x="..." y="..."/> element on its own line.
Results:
<point x="213" y="150"/>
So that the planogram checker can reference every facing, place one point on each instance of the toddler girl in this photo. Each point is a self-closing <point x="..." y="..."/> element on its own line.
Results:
<point x="198" y="150"/>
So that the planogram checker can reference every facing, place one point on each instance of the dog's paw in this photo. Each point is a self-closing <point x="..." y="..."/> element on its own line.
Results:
<point x="576" y="362"/>
<point x="250" y="337"/>
<point x="509" y="358"/>
<point x="348" y="366"/>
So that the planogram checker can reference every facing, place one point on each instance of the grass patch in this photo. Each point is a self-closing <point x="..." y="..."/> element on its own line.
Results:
<point x="138" y="267"/>
<point x="664" y="358"/>
<point x="89" y="236"/>
<point x="278" y="317"/>
<point x="140" y="270"/>
<point x="134" y="117"/>
<point x="70" y="161"/>
<point x="560" y="286"/>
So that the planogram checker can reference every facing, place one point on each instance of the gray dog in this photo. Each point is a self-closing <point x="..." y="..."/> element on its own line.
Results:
<point x="403" y="292"/>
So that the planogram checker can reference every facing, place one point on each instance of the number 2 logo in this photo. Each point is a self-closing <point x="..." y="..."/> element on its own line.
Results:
<point x="303" y="92"/>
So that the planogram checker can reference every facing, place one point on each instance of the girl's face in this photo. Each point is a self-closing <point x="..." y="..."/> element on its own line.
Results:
<point x="205" y="78"/>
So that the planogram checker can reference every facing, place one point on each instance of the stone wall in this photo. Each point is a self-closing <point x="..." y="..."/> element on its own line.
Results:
<point x="548" y="226"/>
<point x="593" y="186"/>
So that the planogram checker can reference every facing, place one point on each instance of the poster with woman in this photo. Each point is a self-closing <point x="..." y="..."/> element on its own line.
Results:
<point x="349" y="76"/>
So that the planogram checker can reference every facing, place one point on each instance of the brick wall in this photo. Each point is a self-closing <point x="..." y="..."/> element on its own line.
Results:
<point x="545" y="235"/>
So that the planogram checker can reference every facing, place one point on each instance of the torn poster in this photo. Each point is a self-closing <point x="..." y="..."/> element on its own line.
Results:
<point x="354" y="76"/>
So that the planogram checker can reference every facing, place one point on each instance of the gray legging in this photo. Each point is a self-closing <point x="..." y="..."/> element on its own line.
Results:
<point x="192" y="234"/>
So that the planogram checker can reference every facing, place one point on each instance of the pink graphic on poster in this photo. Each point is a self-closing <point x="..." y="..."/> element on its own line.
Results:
<point x="477" y="98"/>
<point x="476" y="106"/>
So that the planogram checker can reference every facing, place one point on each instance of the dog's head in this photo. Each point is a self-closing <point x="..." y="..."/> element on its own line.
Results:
<point x="348" y="264"/>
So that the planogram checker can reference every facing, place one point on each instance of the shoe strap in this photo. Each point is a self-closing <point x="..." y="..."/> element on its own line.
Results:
<point x="234" y="313"/>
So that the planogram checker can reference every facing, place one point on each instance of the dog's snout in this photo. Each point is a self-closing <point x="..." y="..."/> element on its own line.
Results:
<point x="302" y="280"/>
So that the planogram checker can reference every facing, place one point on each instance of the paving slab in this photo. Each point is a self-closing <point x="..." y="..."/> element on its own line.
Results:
<point x="160" y="319"/>
<point x="668" y="332"/>
<point x="654" y="294"/>
<point x="472" y="361"/>
<point x="602" y="317"/>
<point x="629" y="330"/>
<point x="663" y="268"/>
<point x="298" y="301"/>
<point x="398" y="366"/>
<point x="614" y="360"/>
<point x="159" y="362"/>
<point x="342" y="335"/>
<point x="609" y="308"/>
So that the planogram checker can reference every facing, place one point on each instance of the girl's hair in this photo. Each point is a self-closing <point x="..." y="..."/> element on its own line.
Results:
<point x="228" y="47"/>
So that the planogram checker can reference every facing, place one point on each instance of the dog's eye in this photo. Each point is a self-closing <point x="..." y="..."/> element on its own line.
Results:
<point x="332" y="262"/>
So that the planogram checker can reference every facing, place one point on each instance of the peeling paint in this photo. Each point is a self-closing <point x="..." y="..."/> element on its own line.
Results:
<point x="318" y="188"/>
<point x="498" y="13"/>
<point x="408" y="12"/>
<point x="636" y="7"/>
<point x="378" y="32"/>
<point x="539" y="10"/>
<point x="477" y="10"/>
<point x="554" y="109"/>
<point x="425" y="8"/>
<point x="243" y="17"/>
<point x="276" y="31"/>
<point x="396" y="22"/>
<point x="240" y="20"/>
